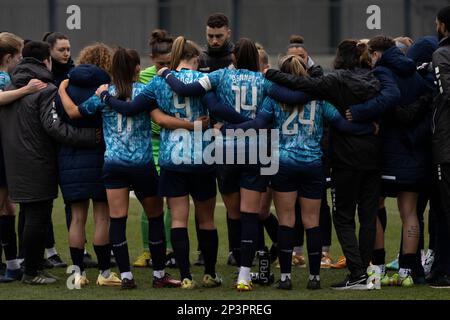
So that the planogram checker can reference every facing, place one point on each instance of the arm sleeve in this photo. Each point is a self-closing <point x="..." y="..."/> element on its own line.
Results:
<point x="388" y="97"/>
<point x="441" y="66"/>
<point x="412" y="114"/>
<point x="337" y="121"/>
<point x="139" y="104"/>
<point x="319" y="88"/>
<point x="187" y="90"/>
<point x="91" y="106"/>
<point x="61" y="131"/>
<point x="262" y="121"/>
<point x="286" y="95"/>
<point x="222" y="111"/>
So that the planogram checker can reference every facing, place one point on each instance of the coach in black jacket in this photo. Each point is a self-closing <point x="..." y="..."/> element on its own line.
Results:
<point x="219" y="47"/>
<point x="441" y="151"/>
<point x="355" y="160"/>
<point x="27" y="128"/>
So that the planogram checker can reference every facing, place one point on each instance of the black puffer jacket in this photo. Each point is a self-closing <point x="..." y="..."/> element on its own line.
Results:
<point x="213" y="59"/>
<point x="441" y="114"/>
<point x="315" y="71"/>
<point x="342" y="88"/>
<point x="28" y="127"/>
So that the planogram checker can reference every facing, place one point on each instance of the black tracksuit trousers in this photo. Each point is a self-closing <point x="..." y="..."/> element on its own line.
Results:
<point x="356" y="190"/>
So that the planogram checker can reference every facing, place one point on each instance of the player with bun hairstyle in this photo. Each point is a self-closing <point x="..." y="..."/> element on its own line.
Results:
<point x="241" y="185"/>
<point x="129" y="162"/>
<point x="297" y="47"/>
<point x="354" y="158"/>
<point x="160" y="44"/>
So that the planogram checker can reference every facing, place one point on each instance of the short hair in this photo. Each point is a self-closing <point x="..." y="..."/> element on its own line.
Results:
<point x="36" y="49"/>
<point x="98" y="54"/>
<point x="217" y="20"/>
<point x="444" y="17"/>
<point x="53" y="37"/>
<point x="380" y="43"/>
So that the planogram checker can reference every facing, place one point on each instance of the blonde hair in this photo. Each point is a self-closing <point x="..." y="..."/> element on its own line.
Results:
<point x="295" y="65"/>
<point x="183" y="49"/>
<point x="98" y="54"/>
<point x="364" y="59"/>
<point x="10" y="44"/>
<point x="407" y="41"/>
<point x="263" y="56"/>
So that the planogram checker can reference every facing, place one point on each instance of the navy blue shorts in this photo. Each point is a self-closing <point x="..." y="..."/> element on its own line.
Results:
<point x="231" y="178"/>
<point x="200" y="185"/>
<point x="142" y="179"/>
<point x="3" y="183"/>
<point x="391" y="188"/>
<point x="308" y="181"/>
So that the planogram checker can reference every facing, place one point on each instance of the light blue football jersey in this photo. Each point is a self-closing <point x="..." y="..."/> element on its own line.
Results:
<point x="241" y="89"/>
<point x="180" y="150"/>
<point x="5" y="79"/>
<point x="300" y="132"/>
<point x="127" y="139"/>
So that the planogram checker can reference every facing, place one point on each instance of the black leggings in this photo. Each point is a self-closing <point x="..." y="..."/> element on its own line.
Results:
<point x="37" y="221"/>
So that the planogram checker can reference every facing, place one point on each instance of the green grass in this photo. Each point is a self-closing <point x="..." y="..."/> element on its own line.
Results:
<point x="17" y="290"/>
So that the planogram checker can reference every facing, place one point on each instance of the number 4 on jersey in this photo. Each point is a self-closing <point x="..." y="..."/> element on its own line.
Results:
<point x="186" y="105"/>
<point x="301" y="119"/>
<point x="241" y="97"/>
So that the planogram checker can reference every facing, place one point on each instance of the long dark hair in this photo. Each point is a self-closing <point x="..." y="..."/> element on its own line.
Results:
<point x="348" y="54"/>
<point x="246" y="54"/>
<point x="123" y="71"/>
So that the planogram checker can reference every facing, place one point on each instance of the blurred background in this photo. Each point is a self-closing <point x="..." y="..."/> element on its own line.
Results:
<point x="322" y="23"/>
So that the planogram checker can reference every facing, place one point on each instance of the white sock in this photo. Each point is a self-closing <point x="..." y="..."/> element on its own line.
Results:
<point x="244" y="274"/>
<point x="85" y="251"/>
<point x="430" y="252"/>
<point x="314" y="276"/>
<point x="403" y="273"/>
<point x="285" y="276"/>
<point x="126" y="275"/>
<point x="12" y="264"/>
<point x="326" y="249"/>
<point x="159" y="274"/>
<point x="298" y="250"/>
<point x="50" y="252"/>
<point x="106" y="273"/>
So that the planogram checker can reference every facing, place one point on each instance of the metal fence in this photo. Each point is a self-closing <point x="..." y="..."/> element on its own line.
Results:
<point x="323" y="23"/>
